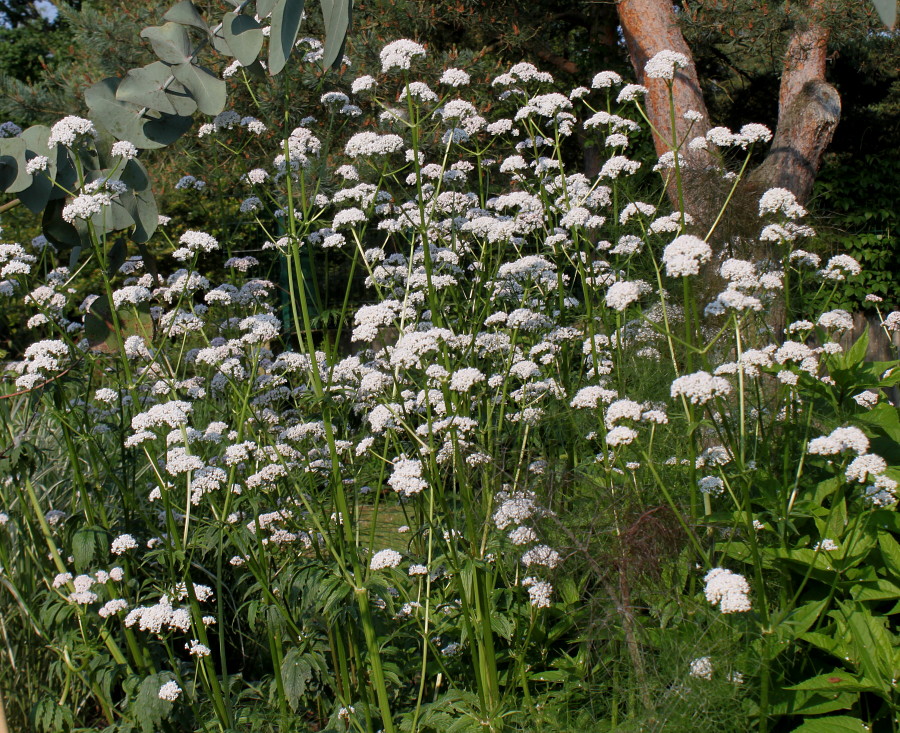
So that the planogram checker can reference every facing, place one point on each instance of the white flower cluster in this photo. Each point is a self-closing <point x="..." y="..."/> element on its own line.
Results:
<point x="169" y="691"/>
<point x="371" y="143"/>
<point x="700" y="387"/>
<point x="727" y="589"/>
<point x="684" y="256"/>
<point x="664" y="64"/>
<point x="69" y="129"/>
<point x="399" y="54"/>
<point x="42" y="359"/>
<point x="385" y="559"/>
<point x="406" y="477"/>
<point x="840" y="440"/>
<point x="122" y="543"/>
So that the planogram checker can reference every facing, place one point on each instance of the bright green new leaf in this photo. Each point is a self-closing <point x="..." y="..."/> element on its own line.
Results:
<point x="170" y="42"/>
<point x="244" y="37"/>
<point x="207" y="89"/>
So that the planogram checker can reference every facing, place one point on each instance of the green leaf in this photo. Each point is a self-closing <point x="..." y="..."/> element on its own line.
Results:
<point x="186" y="13"/>
<point x="207" y="89"/>
<point x="856" y="354"/>
<point x="154" y="86"/>
<point x="838" y="681"/>
<point x="890" y="553"/>
<point x="244" y="37"/>
<point x="286" y="18"/>
<point x="147" y="708"/>
<point x="170" y="42"/>
<point x="125" y="121"/>
<point x="296" y="673"/>
<point x="832" y="724"/>
<point x="84" y="546"/>
<point x="337" y="24"/>
<point x="871" y="644"/>
<point x="800" y="620"/>
<point x="887" y="11"/>
<point x="13" y="177"/>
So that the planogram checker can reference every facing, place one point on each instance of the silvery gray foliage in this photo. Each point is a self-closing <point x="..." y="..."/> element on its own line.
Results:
<point x="150" y="108"/>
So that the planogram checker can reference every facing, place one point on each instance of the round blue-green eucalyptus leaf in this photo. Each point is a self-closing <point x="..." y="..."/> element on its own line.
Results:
<point x="264" y="8"/>
<point x="337" y="24"/>
<point x="186" y="13"/>
<point x="125" y="120"/>
<point x="207" y="89"/>
<point x="58" y="231"/>
<point x="244" y="37"/>
<point x="155" y="87"/>
<point x="170" y="42"/>
<point x="36" y="196"/>
<point x="13" y="176"/>
<point x="141" y="203"/>
<point x="887" y="11"/>
<point x="219" y="43"/>
<point x="286" y="18"/>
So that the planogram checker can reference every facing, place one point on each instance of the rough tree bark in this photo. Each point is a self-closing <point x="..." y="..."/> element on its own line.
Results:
<point x="809" y="107"/>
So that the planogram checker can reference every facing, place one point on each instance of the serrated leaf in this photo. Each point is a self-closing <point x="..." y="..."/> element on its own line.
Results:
<point x="838" y="681"/>
<point x="337" y="25"/>
<point x="286" y="18"/>
<point x="871" y="644"/>
<point x="832" y="724"/>
<point x="153" y="86"/>
<point x="84" y="547"/>
<point x="208" y="90"/>
<point x="244" y="37"/>
<point x="147" y="708"/>
<point x="186" y="13"/>
<point x="170" y="42"/>
<point x="890" y="553"/>
<point x="296" y="673"/>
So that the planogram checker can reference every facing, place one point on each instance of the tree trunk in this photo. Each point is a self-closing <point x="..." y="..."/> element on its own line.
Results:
<point x="809" y="107"/>
<point x="650" y="26"/>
